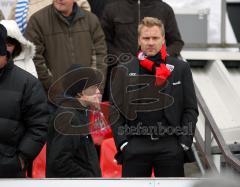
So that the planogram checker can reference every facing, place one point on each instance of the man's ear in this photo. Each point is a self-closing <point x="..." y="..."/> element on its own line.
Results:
<point x="139" y="43"/>
<point x="163" y="41"/>
<point x="139" y="47"/>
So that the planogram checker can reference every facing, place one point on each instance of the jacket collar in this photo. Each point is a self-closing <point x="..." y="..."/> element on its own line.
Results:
<point x="78" y="14"/>
<point x="168" y="87"/>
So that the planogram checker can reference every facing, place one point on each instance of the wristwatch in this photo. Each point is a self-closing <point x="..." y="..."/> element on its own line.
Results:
<point x="185" y="148"/>
<point x="123" y="145"/>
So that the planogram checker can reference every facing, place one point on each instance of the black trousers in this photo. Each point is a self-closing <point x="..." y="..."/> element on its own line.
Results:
<point x="163" y="156"/>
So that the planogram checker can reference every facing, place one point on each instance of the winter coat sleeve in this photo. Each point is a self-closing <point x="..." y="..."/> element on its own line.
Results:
<point x="34" y="33"/>
<point x="190" y="108"/>
<point x="61" y="159"/>
<point x="99" y="47"/>
<point x="173" y="37"/>
<point x="35" y="118"/>
<point x="108" y="28"/>
<point x="117" y="98"/>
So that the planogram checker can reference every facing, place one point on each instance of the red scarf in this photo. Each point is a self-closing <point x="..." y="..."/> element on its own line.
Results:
<point x="161" y="71"/>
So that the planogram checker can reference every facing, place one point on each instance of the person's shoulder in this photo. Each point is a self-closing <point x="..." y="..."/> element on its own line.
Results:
<point x="42" y="12"/>
<point x="90" y="17"/>
<point x="165" y="5"/>
<point x="24" y="76"/>
<point x="87" y="13"/>
<point x="69" y="111"/>
<point x="128" y="61"/>
<point x="176" y="62"/>
<point x="115" y="6"/>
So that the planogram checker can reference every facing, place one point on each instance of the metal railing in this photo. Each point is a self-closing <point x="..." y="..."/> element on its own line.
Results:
<point x="223" y="43"/>
<point x="211" y="129"/>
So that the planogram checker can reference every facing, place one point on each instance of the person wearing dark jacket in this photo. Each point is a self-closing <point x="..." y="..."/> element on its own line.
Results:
<point x="121" y="18"/>
<point x="156" y="100"/>
<point x="23" y="115"/>
<point x="120" y="21"/>
<point x="70" y="148"/>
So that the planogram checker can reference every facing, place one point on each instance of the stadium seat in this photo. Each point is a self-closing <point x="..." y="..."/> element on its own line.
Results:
<point x="108" y="164"/>
<point x="101" y="133"/>
<point x="39" y="164"/>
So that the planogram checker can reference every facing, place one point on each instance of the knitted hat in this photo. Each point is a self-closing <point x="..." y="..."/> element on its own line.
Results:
<point x="3" y="37"/>
<point x="78" y="78"/>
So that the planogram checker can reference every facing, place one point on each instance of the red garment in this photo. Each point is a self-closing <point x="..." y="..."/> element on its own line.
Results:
<point x="161" y="71"/>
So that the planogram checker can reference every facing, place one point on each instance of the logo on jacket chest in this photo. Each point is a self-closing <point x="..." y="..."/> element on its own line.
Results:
<point x="132" y="74"/>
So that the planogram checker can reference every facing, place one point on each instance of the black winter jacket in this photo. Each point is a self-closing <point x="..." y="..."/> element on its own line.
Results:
<point x="121" y="18"/>
<point x="23" y="118"/>
<point x="70" y="150"/>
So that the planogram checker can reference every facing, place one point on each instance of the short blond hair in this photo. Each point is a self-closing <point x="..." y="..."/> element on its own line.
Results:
<point x="150" y="22"/>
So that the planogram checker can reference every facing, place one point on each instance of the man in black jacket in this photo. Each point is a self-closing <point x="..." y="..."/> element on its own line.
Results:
<point x="23" y="115"/>
<point x="70" y="148"/>
<point x="120" y="20"/>
<point x="157" y="102"/>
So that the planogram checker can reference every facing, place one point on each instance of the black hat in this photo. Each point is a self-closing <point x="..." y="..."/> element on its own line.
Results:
<point x="3" y="37"/>
<point x="78" y="78"/>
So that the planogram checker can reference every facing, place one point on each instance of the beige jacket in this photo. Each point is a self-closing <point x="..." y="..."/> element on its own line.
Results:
<point x="1" y="15"/>
<point x="35" y="5"/>
<point x="58" y="45"/>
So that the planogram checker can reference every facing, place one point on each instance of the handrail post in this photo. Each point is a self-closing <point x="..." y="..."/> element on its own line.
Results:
<point x="207" y="144"/>
<point x="223" y="22"/>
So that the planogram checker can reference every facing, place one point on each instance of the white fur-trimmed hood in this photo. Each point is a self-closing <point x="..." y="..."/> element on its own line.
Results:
<point x="28" y="48"/>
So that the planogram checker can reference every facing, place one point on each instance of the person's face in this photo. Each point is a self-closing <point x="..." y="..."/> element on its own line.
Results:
<point x="150" y="40"/>
<point x="10" y="48"/>
<point x="64" y="6"/>
<point x="91" y="97"/>
<point x="3" y="61"/>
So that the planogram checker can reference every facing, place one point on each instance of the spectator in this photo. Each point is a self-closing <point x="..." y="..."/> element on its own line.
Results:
<point x="70" y="148"/>
<point x="23" y="115"/>
<point x="22" y="50"/>
<point x="156" y="99"/>
<point x="120" y="21"/>
<point x="20" y="7"/>
<point x="65" y="34"/>
<point x="121" y="18"/>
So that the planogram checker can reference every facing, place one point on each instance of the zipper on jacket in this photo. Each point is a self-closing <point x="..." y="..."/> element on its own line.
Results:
<point x="71" y="44"/>
<point x="139" y="11"/>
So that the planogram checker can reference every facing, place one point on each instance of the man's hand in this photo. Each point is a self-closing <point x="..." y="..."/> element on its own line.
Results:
<point x="22" y="162"/>
<point x="185" y="148"/>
